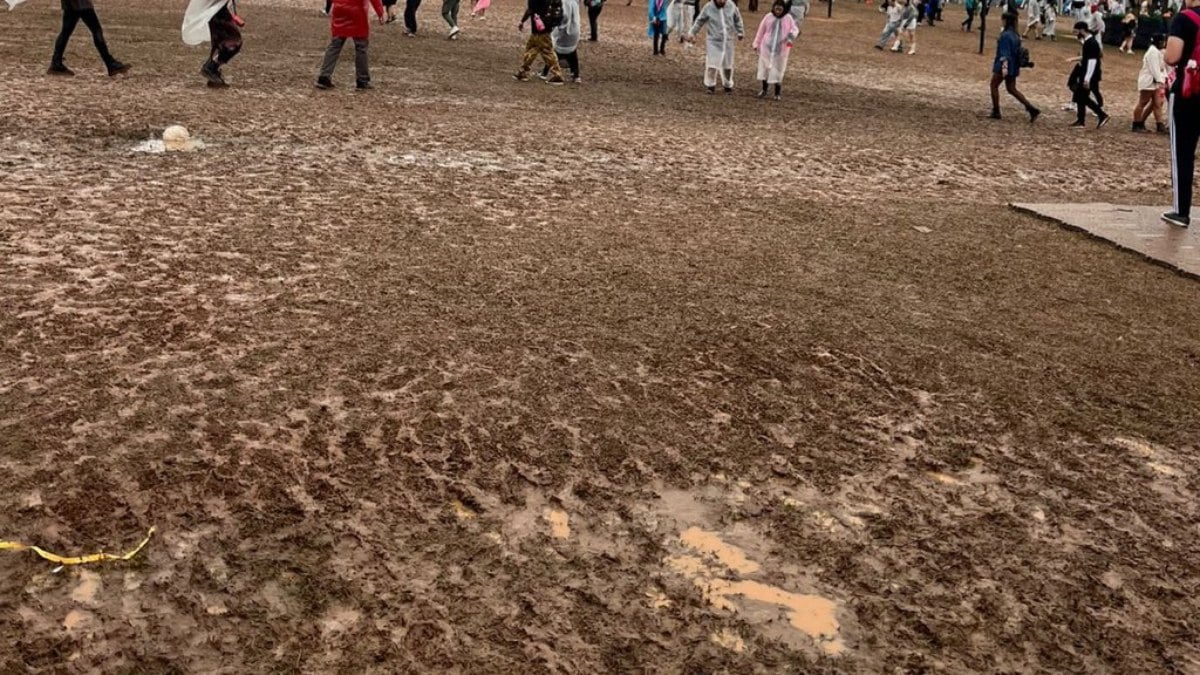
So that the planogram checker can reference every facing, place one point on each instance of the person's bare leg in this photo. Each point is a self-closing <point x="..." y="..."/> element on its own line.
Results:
<point x="1011" y="86"/>
<point x="995" y="85"/>
<point x="1142" y="110"/>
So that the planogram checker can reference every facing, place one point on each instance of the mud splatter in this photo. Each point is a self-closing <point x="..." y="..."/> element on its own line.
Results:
<point x="729" y="640"/>
<point x="85" y="591"/>
<point x="559" y="522"/>
<point x="710" y="544"/>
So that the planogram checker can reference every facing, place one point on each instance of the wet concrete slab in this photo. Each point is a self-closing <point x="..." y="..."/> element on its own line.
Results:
<point x="1134" y="228"/>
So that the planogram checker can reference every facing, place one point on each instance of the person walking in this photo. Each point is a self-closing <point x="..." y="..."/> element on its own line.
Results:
<point x="1087" y="91"/>
<point x="773" y="42"/>
<point x="215" y="21"/>
<point x="450" y="16"/>
<point x="349" y="21"/>
<point x="1183" y="112"/>
<point x="410" y="17"/>
<point x="565" y="38"/>
<point x="1033" y="19"/>
<point x="971" y="6"/>
<point x="799" y="10"/>
<point x="1007" y="68"/>
<point x="679" y="19"/>
<point x="479" y="10"/>
<point x="594" y="8"/>
<point x="1151" y="81"/>
<point x="657" y="27"/>
<point x="893" y="10"/>
<point x="75" y="11"/>
<point x="908" y="28"/>
<point x="544" y="16"/>
<point x="724" y="23"/>
<point x="1049" y="21"/>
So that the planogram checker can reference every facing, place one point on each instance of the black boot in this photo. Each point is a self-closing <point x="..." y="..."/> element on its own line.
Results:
<point x="60" y="69"/>
<point x="212" y="72"/>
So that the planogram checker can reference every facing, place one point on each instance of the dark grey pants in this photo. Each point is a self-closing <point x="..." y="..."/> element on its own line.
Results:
<point x="450" y="12"/>
<point x="362" y="71"/>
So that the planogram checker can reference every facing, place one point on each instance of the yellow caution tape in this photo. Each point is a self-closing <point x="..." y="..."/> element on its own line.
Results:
<point x="81" y="560"/>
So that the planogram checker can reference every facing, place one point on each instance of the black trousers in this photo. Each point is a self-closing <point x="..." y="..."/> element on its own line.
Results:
<point x="410" y="15"/>
<point x="71" y="18"/>
<point x="570" y="60"/>
<point x="593" y="19"/>
<point x="1184" y="117"/>
<point x="1088" y="98"/>
<point x="970" y="20"/>
<point x="328" y="6"/>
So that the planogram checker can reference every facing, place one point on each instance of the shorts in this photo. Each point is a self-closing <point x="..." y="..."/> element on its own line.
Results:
<point x="911" y="24"/>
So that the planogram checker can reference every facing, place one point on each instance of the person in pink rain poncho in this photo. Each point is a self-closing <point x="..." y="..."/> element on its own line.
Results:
<point x="776" y="35"/>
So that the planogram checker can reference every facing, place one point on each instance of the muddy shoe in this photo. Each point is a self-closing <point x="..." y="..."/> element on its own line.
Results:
<point x="324" y="83"/>
<point x="555" y="81"/>
<point x="117" y="68"/>
<point x="363" y="85"/>
<point x="209" y="72"/>
<point x="60" y="70"/>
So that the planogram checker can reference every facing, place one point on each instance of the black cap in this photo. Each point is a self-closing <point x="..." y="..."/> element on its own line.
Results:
<point x="1081" y="25"/>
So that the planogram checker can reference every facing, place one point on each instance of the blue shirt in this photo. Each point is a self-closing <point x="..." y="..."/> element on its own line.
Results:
<point x="1008" y="50"/>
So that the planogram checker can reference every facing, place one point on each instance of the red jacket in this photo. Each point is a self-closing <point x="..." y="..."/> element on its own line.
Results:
<point x="349" y="18"/>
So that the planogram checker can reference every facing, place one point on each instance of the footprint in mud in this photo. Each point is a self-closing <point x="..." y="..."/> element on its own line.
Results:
<point x="715" y="567"/>
<point x="1156" y="456"/>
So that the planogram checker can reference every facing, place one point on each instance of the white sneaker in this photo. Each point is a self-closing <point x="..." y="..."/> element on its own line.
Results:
<point x="912" y="51"/>
<point x="454" y="33"/>
<point x="896" y="47"/>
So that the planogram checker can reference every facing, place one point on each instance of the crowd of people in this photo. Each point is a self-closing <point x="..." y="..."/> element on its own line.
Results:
<point x="1169" y="77"/>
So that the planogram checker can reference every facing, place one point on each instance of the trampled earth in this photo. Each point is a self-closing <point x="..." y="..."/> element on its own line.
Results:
<point x="469" y="375"/>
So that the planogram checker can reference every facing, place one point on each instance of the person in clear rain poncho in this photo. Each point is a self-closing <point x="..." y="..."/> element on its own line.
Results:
<point x="773" y="42"/>
<point x="216" y="21"/>
<point x="724" y="23"/>
<point x="679" y="18"/>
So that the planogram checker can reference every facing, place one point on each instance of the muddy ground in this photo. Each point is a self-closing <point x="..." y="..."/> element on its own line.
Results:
<point x="465" y="375"/>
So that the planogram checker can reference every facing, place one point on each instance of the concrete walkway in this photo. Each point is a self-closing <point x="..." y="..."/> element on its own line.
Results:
<point x="1135" y="228"/>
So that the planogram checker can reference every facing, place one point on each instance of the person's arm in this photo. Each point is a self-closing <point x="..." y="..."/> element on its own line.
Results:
<point x="794" y="32"/>
<point x="762" y="32"/>
<point x="1174" y="52"/>
<point x="737" y="23"/>
<point x="699" y="22"/>
<point x="377" y="5"/>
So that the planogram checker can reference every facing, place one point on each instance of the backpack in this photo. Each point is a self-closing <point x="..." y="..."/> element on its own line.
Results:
<point x="554" y="13"/>
<point x="1190" y="87"/>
